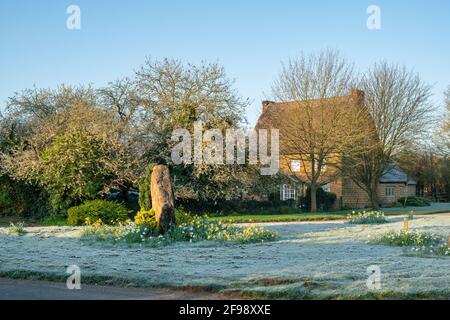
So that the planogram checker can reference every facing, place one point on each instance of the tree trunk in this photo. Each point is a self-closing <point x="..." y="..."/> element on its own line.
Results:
<point x="373" y="196"/>
<point x="314" y="197"/>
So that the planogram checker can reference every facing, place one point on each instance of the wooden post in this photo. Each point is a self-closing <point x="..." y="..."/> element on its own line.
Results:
<point x="448" y="241"/>
<point x="405" y="225"/>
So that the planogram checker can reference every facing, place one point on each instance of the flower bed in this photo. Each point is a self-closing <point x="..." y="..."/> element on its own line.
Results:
<point x="198" y="229"/>
<point x="370" y="217"/>
<point x="421" y="242"/>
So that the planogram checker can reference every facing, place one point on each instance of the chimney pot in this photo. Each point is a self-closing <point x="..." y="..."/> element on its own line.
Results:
<point x="265" y="104"/>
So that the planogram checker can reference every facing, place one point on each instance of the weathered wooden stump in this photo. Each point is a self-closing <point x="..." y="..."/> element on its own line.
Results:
<point x="162" y="197"/>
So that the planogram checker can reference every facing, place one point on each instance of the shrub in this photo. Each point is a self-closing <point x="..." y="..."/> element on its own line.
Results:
<point x="146" y="218"/>
<point x="6" y="201"/>
<point x="182" y="216"/>
<point x="18" y="198"/>
<point x="325" y="200"/>
<point x="77" y="166"/>
<point x="144" y="184"/>
<point x="107" y="211"/>
<point x="226" y="207"/>
<point x="413" y="201"/>
<point x="370" y="217"/>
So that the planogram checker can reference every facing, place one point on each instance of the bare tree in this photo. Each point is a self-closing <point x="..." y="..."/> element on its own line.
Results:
<point x="399" y="105"/>
<point x="121" y="97"/>
<point x="319" y="122"/>
<point x="443" y="135"/>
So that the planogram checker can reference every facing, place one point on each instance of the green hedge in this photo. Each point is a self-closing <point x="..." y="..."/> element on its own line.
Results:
<point x="325" y="200"/>
<point x="413" y="201"/>
<point x="108" y="211"/>
<point x="6" y="201"/>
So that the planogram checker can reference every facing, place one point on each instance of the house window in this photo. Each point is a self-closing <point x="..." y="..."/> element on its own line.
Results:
<point x="295" y="165"/>
<point x="287" y="192"/>
<point x="389" y="192"/>
<point x="327" y="187"/>
<point x="322" y="168"/>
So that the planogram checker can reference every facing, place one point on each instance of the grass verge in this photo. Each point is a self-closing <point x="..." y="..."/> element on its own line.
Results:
<point x="297" y="289"/>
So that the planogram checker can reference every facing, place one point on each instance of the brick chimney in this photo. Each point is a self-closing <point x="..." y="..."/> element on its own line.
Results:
<point x="265" y="105"/>
<point x="358" y="96"/>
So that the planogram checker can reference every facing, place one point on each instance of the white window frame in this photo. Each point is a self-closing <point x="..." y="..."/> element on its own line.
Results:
<point x="296" y="165"/>
<point x="288" y="192"/>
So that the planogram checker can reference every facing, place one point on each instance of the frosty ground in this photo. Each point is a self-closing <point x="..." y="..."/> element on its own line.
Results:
<point x="317" y="260"/>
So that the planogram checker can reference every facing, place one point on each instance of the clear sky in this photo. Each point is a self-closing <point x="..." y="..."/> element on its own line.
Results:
<point x="249" y="38"/>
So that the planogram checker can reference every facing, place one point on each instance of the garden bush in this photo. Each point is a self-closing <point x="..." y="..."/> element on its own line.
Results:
<point x="226" y="207"/>
<point x="325" y="200"/>
<point x="108" y="212"/>
<point x="182" y="216"/>
<point x="146" y="218"/>
<point x="370" y="217"/>
<point x="6" y="201"/>
<point x="413" y="201"/>
<point x="22" y="200"/>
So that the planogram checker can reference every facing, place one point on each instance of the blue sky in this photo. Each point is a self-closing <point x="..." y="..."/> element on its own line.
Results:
<point x="249" y="38"/>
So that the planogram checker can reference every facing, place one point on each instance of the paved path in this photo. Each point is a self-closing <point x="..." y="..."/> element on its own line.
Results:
<point x="42" y="290"/>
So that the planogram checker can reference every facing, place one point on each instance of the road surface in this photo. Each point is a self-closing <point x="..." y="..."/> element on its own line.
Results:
<point x="42" y="290"/>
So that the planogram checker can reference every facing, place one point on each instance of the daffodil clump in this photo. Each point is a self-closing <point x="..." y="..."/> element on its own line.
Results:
<point x="440" y="249"/>
<point x="200" y="228"/>
<point x="16" y="229"/>
<point x="420" y="242"/>
<point x="410" y="238"/>
<point x="369" y="217"/>
<point x="197" y="229"/>
<point x="146" y="218"/>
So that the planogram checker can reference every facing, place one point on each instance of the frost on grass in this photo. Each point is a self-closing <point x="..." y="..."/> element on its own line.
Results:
<point x="308" y="260"/>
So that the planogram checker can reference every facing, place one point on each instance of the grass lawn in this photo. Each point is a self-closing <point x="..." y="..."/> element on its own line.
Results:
<point x="308" y="261"/>
<point x="281" y="217"/>
<point x="327" y="216"/>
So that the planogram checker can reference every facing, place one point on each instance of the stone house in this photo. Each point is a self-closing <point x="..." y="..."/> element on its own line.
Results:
<point x="393" y="185"/>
